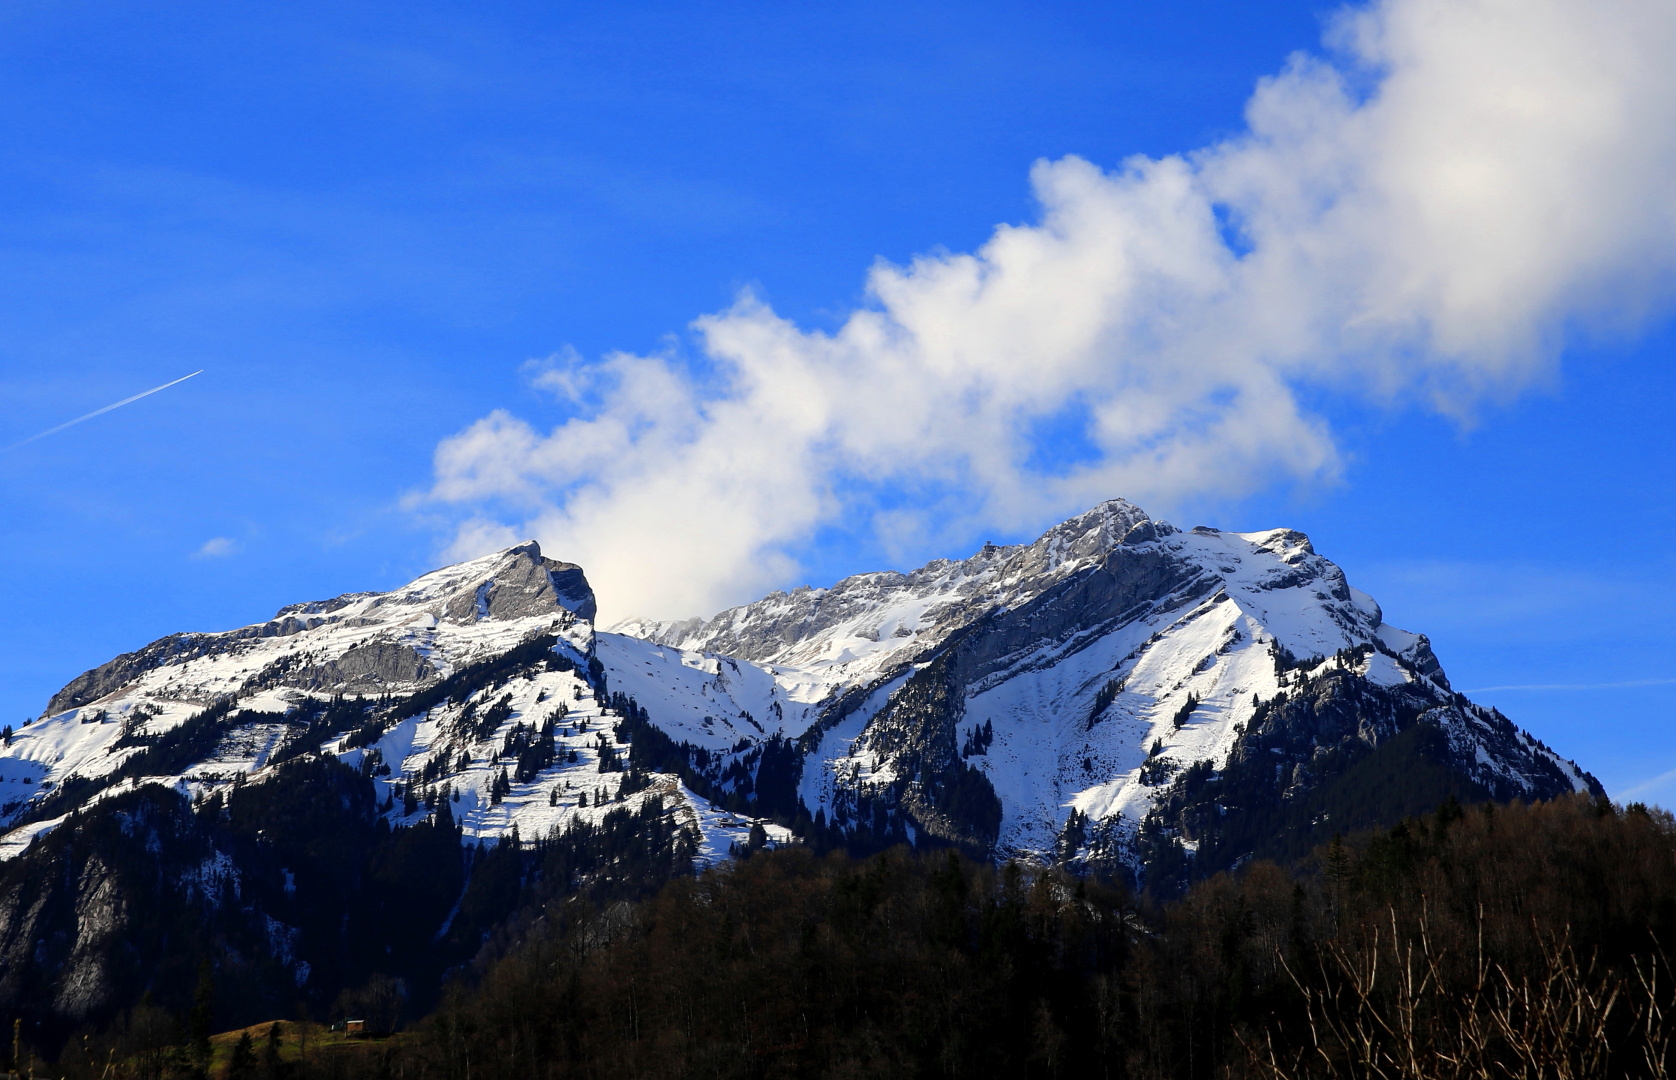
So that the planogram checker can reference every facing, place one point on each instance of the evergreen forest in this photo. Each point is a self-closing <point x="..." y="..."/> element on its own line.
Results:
<point x="1495" y="940"/>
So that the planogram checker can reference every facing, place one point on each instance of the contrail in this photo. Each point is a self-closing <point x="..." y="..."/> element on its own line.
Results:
<point x="1629" y="685"/>
<point x="106" y="409"/>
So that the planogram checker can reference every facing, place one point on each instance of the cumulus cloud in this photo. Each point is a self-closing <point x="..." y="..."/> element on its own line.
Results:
<point x="1422" y="213"/>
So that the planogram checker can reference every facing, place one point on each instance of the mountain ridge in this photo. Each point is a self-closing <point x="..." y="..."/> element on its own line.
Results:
<point x="1094" y="621"/>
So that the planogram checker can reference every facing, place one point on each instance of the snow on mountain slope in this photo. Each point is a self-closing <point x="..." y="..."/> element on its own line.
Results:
<point x="1091" y="708"/>
<point x="868" y="623"/>
<point x="1047" y="700"/>
<point x="1074" y="720"/>
<point x="373" y="645"/>
<point x="705" y="699"/>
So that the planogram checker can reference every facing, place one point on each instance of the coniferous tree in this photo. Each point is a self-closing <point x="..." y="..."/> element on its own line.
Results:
<point x="202" y="1019"/>
<point x="244" y="1057"/>
<point x="272" y="1066"/>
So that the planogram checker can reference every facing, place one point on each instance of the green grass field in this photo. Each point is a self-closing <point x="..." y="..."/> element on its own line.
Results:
<point x="300" y="1040"/>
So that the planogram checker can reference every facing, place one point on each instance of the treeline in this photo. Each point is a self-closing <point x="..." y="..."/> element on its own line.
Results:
<point x="1514" y="940"/>
<point x="1486" y="941"/>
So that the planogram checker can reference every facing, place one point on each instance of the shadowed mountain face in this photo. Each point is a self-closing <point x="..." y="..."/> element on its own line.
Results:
<point x="1118" y="695"/>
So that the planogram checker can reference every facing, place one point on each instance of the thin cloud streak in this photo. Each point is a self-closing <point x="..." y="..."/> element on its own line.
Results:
<point x="1628" y="684"/>
<point x="1647" y="787"/>
<point x="100" y="412"/>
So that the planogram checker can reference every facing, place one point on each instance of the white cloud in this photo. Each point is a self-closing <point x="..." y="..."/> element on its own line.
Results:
<point x="1419" y="217"/>
<point x="217" y="547"/>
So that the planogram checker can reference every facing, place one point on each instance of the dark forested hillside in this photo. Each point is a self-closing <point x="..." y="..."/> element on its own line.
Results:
<point x="280" y="899"/>
<point x="788" y="965"/>
<point x="1491" y="940"/>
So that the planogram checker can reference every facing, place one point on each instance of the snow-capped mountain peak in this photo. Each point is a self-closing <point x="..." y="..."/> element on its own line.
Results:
<point x="1079" y="697"/>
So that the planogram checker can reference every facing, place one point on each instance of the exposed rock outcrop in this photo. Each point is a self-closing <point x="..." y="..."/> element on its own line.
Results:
<point x="525" y="583"/>
<point x="365" y="669"/>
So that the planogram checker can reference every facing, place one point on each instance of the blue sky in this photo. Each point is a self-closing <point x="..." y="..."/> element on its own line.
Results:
<point x="373" y="229"/>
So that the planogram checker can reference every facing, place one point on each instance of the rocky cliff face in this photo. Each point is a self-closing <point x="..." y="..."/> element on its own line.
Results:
<point x="522" y="585"/>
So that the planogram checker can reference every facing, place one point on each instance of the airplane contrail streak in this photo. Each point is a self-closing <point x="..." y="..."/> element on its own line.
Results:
<point x="98" y="412"/>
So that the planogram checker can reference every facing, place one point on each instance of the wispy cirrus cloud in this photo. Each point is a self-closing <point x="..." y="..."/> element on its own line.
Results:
<point x="216" y="547"/>
<point x="1419" y="215"/>
<point x="1661" y="787"/>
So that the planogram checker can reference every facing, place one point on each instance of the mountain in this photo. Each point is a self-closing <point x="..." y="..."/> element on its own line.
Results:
<point x="1117" y="692"/>
<point x="1118" y="696"/>
<point x="1090" y="671"/>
